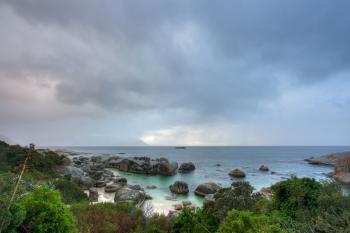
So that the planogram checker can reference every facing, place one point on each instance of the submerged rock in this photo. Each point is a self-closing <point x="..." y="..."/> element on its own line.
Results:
<point x="151" y="187"/>
<point x="237" y="173"/>
<point x="207" y="188"/>
<point x="186" y="167"/>
<point x="179" y="187"/>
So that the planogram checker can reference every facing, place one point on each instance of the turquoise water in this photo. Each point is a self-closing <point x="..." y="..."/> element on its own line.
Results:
<point x="285" y="161"/>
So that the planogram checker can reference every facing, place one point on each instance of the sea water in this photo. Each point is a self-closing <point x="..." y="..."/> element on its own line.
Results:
<point x="214" y="163"/>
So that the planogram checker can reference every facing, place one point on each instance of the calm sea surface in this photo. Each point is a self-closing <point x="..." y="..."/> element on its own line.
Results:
<point x="285" y="161"/>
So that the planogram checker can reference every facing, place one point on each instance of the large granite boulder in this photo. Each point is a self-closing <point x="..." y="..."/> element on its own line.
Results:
<point x="126" y="194"/>
<point x="83" y="181"/>
<point x="96" y="159"/>
<point x="207" y="188"/>
<point x="179" y="187"/>
<point x="237" y="173"/>
<point x="167" y="169"/>
<point x="186" y="167"/>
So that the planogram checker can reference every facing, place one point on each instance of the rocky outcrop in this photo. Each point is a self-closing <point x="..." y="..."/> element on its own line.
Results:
<point x="343" y="178"/>
<point x="143" y="165"/>
<point x="327" y="160"/>
<point x="186" y="167"/>
<point x="179" y="187"/>
<point x="207" y="188"/>
<point x="264" y="168"/>
<point x="237" y="173"/>
<point x="127" y="194"/>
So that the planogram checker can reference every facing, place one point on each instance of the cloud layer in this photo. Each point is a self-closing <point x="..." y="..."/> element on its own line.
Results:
<point x="117" y="72"/>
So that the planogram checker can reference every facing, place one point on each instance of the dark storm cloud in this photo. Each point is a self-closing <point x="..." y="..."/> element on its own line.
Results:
<point x="214" y="58"/>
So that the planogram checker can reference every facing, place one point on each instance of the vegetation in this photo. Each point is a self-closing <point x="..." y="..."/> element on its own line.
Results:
<point x="298" y="205"/>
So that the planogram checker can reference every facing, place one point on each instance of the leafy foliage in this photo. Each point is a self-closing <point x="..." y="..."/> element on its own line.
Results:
<point x="248" y="222"/>
<point x="70" y="191"/>
<point x="46" y="213"/>
<point x="297" y="197"/>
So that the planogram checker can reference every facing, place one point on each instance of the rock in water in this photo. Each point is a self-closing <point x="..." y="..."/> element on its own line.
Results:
<point x="126" y="194"/>
<point x="186" y="167"/>
<point x="207" y="188"/>
<point x="93" y="195"/>
<point x="264" y="168"/>
<point x="179" y="187"/>
<point x="237" y="173"/>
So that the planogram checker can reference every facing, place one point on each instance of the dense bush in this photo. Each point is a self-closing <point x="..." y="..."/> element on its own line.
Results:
<point x="297" y="197"/>
<point x="248" y="222"/>
<point x="108" y="217"/>
<point x="194" y="222"/>
<point x="46" y="213"/>
<point x="70" y="191"/>
<point x="240" y="197"/>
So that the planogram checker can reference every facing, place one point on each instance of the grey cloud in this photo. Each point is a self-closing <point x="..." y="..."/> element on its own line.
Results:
<point x="119" y="54"/>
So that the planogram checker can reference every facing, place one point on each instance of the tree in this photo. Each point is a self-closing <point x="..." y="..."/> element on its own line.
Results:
<point x="46" y="213"/>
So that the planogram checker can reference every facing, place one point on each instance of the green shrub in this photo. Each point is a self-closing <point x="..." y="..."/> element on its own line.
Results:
<point x="46" y="213"/>
<point x="70" y="191"/>
<point x="297" y="197"/>
<point x="239" y="197"/>
<point x="248" y="222"/>
<point x="108" y="217"/>
<point x="194" y="222"/>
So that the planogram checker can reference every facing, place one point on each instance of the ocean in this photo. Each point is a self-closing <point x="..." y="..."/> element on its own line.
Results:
<point x="284" y="161"/>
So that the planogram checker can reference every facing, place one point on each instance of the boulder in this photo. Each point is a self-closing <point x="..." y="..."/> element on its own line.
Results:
<point x="237" y="173"/>
<point x="207" y="188"/>
<point x="126" y="194"/>
<point x="83" y="181"/>
<point x="178" y="206"/>
<point x="96" y="159"/>
<point x="100" y="184"/>
<point x="264" y="168"/>
<point x="96" y="175"/>
<point x="111" y="188"/>
<point x="107" y="173"/>
<point x="136" y="187"/>
<point x="151" y="187"/>
<point x="186" y="167"/>
<point x="167" y="169"/>
<point x="70" y="170"/>
<point x="93" y="195"/>
<point x="186" y="203"/>
<point x="121" y="180"/>
<point x="179" y="187"/>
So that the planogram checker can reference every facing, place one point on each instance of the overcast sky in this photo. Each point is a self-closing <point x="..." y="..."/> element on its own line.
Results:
<point x="128" y="72"/>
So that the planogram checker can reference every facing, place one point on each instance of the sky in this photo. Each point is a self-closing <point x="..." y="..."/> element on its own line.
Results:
<point x="164" y="72"/>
